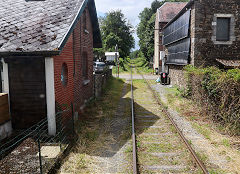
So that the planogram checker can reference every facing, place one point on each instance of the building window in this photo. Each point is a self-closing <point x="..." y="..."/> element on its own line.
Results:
<point x="85" y="65"/>
<point x="223" y="29"/>
<point x="64" y="75"/>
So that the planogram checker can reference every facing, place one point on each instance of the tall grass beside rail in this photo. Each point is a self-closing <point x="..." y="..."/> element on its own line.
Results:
<point x="218" y="92"/>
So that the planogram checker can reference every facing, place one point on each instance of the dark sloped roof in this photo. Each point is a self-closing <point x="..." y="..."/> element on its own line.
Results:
<point x="39" y="26"/>
<point x="169" y="10"/>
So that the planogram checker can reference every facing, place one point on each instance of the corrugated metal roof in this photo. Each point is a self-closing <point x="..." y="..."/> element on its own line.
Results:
<point x="229" y="63"/>
<point x="169" y="10"/>
<point x="37" y="25"/>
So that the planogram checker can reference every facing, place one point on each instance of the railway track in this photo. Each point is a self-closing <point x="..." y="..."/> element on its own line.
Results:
<point x="158" y="144"/>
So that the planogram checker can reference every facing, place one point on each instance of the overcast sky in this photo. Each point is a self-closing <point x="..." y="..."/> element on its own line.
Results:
<point x="130" y="9"/>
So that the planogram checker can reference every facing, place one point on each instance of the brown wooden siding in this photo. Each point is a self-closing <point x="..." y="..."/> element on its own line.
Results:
<point x="4" y="108"/>
<point x="27" y="91"/>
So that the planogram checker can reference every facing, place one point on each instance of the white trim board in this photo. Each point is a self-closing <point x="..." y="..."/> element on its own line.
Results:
<point x="50" y="95"/>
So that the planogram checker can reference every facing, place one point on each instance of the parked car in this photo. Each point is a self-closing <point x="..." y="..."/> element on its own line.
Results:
<point x="99" y="67"/>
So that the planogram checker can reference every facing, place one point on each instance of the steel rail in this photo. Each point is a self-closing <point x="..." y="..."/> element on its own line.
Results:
<point x="135" y="169"/>
<point x="189" y="147"/>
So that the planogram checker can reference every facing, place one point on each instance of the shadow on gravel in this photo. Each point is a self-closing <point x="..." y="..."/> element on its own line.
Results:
<point x="104" y="135"/>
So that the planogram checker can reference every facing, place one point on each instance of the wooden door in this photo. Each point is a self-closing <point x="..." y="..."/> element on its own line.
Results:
<point x="27" y="91"/>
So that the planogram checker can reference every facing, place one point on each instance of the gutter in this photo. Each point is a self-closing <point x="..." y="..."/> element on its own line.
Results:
<point x="30" y="53"/>
<point x="187" y="6"/>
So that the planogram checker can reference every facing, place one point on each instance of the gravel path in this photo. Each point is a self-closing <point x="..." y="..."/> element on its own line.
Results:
<point x="136" y="76"/>
<point x="160" y="150"/>
<point x="113" y="159"/>
<point x="199" y="142"/>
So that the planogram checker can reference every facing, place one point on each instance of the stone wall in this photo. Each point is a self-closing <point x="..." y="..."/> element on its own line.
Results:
<point x="177" y="76"/>
<point x="100" y="81"/>
<point x="206" y="48"/>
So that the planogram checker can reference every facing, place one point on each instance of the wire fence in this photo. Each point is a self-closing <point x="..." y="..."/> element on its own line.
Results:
<point x="34" y="150"/>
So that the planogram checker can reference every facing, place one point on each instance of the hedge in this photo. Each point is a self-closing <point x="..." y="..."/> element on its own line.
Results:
<point x="218" y="92"/>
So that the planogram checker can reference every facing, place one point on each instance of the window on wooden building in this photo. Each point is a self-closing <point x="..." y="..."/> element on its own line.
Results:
<point x="85" y="65"/>
<point x="223" y="29"/>
<point x="64" y="75"/>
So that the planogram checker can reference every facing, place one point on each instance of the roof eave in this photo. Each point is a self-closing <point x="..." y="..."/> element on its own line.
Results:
<point x="72" y="26"/>
<point x="29" y="53"/>
<point x="184" y="9"/>
<point x="97" y="42"/>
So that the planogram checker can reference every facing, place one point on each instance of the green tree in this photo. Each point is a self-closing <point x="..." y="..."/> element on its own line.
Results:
<point x="145" y="29"/>
<point x="116" y="30"/>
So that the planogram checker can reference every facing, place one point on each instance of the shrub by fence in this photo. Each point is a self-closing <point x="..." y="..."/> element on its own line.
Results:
<point x="218" y="92"/>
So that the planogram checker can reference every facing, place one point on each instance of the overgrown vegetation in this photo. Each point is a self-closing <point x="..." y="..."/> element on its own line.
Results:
<point x="115" y="29"/>
<point x="123" y="66"/>
<point x="142" y="64"/>
<point x="218" y="92"/>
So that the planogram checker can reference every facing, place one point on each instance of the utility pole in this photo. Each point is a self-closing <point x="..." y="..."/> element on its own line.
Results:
<point x="117" y="63"/>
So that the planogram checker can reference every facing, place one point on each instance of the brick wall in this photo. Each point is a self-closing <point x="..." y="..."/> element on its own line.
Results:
<point x="77" y="90"/>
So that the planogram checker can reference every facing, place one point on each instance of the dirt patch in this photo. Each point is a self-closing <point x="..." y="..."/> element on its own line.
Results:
<point x="23" y="159"/>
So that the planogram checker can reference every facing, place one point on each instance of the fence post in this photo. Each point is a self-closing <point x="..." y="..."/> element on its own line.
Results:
<point x="40" y="156"/>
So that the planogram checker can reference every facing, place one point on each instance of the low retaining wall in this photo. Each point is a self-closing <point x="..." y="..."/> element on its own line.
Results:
<point x="177" y="76"/>
<point x="100" y="81"/>
<point x="5" y="120"/>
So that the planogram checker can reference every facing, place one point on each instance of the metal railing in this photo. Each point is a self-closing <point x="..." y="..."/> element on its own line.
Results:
<point x="135" y="169"/>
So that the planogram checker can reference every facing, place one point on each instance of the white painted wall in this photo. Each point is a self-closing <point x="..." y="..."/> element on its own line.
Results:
<point x="50" y="95"/>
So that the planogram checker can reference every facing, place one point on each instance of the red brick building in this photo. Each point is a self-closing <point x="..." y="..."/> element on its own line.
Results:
<point x="46" y="52"/>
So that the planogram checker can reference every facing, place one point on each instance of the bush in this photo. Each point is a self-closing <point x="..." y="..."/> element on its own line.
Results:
<point x="217" y="91"/>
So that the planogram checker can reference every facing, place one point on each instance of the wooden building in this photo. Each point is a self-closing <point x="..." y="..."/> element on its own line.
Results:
<point x="46" y="51"/>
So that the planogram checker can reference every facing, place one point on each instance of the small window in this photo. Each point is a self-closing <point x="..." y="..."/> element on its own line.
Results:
<point x="223" y="29"/>
<point x="85" y="65"/>
<point x="64" y="74"/>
